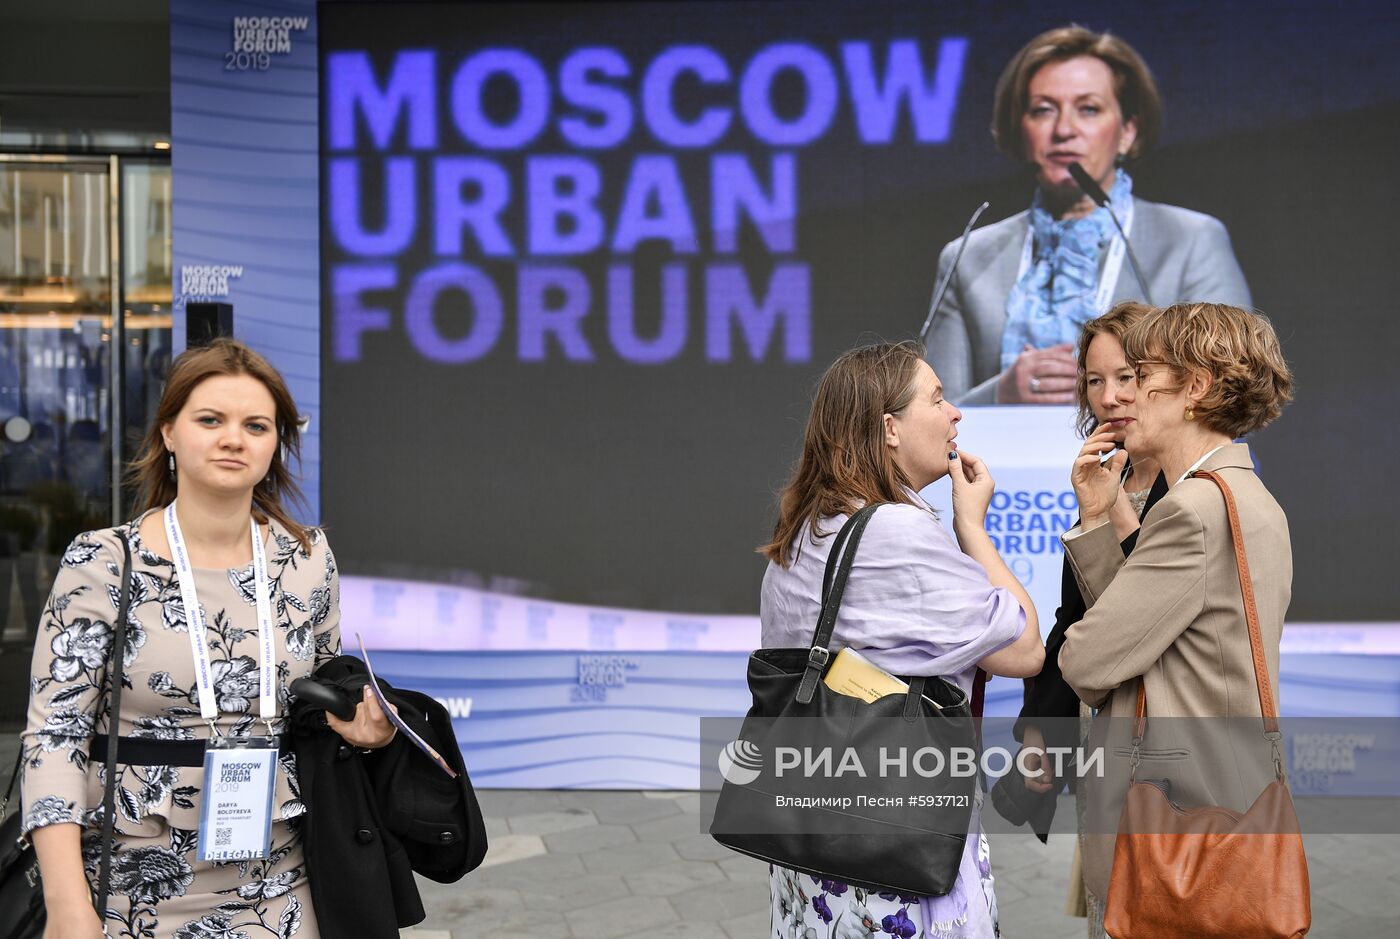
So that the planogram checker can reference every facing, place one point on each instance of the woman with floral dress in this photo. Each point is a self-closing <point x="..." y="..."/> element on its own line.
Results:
<point x="917" y="602"/>
<point x="214" y="475"/>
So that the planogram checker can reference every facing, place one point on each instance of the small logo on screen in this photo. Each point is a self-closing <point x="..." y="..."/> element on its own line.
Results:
<point x="741" y="762"/>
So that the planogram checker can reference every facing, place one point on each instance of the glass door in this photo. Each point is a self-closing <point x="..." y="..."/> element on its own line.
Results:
<point x="85" y="293"/>
<point x="55" y="316"/>
<point x="146" y="302"/>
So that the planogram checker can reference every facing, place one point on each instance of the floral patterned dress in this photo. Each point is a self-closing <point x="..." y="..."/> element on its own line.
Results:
<point x="159" y="888"/>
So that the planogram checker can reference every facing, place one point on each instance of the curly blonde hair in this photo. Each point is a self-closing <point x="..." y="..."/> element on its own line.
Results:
<point x="1250" y="381"/>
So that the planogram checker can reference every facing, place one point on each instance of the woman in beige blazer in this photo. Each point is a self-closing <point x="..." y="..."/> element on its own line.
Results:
<point x="1171" y="615"/>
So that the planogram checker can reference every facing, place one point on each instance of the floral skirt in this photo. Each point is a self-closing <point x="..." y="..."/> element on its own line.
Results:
<point x="160" y="891"/>
<point x="807" y="907"/>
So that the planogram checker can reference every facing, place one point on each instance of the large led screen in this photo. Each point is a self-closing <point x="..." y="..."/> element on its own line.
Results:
<point x="583" y="263"/>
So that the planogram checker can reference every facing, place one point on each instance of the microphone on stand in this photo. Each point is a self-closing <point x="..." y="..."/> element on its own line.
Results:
<point x="1095" y="192"/>
<point x="942" y="288"/>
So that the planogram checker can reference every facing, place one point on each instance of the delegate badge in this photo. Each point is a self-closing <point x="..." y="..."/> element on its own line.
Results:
<point x="236" y="823"/>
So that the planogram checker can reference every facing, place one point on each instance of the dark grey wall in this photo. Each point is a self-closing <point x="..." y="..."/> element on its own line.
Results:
<point x="69" y="67"/>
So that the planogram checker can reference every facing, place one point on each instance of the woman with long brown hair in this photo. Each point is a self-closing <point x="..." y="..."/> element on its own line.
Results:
<point x="225" y="587"/>
<point x="918" y="603"/>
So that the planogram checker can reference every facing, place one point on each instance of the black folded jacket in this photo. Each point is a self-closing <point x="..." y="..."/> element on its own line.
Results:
<point x="374" y="819"/>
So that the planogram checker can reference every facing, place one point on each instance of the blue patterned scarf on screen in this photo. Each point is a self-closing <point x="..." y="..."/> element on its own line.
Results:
<point x="1056" y="295"/>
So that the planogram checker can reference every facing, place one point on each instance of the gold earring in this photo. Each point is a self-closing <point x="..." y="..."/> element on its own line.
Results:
<point x="1190" y="413"/>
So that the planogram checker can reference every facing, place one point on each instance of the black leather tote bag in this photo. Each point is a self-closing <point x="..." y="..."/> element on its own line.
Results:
<point x="872" y="812"/>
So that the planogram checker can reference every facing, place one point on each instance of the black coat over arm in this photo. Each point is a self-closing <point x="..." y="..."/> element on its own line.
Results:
<point x="373" y="819"/>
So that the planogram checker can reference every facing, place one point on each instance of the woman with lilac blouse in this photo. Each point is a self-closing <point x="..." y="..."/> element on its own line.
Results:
<point x="918" y="602"/>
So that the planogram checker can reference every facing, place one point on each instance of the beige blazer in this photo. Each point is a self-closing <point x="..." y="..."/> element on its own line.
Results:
<point x="1171" y="615"/>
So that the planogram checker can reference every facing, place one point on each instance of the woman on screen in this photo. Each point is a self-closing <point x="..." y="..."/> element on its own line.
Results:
<point x="1170" y="617"/>
<point x="1026" y="285"/>
<point x="214" y="476"/>
<point x="917" y="602"/>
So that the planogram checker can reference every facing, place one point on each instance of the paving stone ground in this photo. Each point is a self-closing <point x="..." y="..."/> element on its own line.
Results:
<point x="627" y="865"/>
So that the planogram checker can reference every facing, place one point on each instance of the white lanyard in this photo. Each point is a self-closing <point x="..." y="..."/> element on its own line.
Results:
<point x="1111" y="269"/>
<point x="199" y="640"/>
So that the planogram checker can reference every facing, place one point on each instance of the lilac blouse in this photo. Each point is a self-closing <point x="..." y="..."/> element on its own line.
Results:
<point x="914" y="604"/>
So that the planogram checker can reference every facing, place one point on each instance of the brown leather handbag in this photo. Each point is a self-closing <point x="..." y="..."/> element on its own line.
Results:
<point x="1211" y="871"/>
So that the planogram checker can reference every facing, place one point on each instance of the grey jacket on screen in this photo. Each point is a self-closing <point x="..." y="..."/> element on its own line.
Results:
<point x="1185" y="255"/>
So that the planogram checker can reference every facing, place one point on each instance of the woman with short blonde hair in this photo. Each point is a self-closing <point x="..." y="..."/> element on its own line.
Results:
<point x="1170" y="618"/>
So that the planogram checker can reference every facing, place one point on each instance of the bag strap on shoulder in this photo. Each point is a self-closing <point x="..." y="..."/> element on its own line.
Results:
<point x="834" y="556"/>
<point x="838" y="571"/>
<point x="1256" y="639"/>
<point x="115" y="678"/>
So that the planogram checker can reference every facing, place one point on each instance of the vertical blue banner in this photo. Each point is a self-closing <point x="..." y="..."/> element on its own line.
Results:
<point x="243" y="100"/>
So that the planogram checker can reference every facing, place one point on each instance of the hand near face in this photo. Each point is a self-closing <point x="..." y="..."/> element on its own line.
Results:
<point x="973" y="487"/>
<point x="1040" y="376"/>
<point x="1096" y="484"/>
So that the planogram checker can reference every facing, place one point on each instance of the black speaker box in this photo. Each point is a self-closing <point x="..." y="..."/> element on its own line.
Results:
<point x="207" y="321"/>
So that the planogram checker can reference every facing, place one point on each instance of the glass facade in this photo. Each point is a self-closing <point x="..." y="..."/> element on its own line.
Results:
<point x="85" y="338"/>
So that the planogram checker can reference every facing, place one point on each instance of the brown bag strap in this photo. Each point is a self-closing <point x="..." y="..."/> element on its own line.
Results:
<point x="1251" y="616"/>
<point x="1251" y="609"/>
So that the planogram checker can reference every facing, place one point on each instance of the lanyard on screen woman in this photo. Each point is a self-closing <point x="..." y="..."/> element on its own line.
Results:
<point x="1112" y="267"/>
<point x="199" y="639"/>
